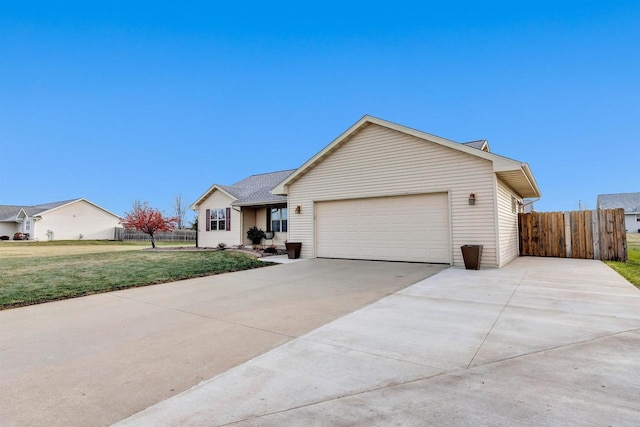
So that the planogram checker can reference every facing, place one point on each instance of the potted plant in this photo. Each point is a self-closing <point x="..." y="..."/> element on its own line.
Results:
<point x="255" y="235"/>
<point x="293" y="249"/>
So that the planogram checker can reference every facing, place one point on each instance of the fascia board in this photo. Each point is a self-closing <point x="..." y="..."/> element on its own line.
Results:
<point x="214" y="187"/>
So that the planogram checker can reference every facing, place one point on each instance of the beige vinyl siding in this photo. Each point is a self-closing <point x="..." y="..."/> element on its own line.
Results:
<point x="69" y="221"/>
<point x="377" y="161"/>
<point x="248" y="221"/>
<point x="210" y="239"/>
<point x="507" y="224"/>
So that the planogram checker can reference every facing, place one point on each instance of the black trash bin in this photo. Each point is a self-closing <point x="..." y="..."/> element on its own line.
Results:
<point x="293" y="249"/>
<point x="471" y="255"/>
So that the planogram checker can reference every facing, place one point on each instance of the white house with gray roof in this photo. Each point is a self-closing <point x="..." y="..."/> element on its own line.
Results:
<point x="227" y="212"/>
<point x="630" y="202"/>
<point x="381" y="191"/>
<point x="66" y="220"/>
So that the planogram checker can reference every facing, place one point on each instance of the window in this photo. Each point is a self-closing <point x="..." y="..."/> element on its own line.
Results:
<point x="218" y="219"/>
<point x="278" y="220"/>
<point x="517" y="206"/>
<point x="27" y="226"/>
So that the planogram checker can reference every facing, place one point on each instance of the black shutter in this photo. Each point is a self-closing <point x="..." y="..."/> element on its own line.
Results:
<point x="269" y="219"/>
<point x="208" y="215"/>
<point x="228" y="221"/>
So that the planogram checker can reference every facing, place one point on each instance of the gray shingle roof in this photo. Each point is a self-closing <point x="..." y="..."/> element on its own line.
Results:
<point x="476" y="144"/>
<point x="10" y="212"/>
<point x="630" y="202"/>
<point x="256" y="188"/>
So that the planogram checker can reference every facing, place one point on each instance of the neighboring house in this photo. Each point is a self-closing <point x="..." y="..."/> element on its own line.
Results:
<point x="383" y="191"/>
<point x="630" y="202"/>
<point x="226" y="212"/>
<point x="67" y="220"/>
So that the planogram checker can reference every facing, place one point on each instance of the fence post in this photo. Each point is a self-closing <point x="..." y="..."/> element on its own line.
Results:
<point x="596" y="235"/>
<point x="567" y="233"/>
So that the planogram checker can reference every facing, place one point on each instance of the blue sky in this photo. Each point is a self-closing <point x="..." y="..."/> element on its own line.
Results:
<point x="118" y="102"/>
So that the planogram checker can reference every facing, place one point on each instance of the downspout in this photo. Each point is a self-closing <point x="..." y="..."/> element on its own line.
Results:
<point x="530" y="202"/>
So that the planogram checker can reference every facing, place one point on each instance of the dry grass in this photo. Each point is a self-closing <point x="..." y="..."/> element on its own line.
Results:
<point x="19" y="249"/>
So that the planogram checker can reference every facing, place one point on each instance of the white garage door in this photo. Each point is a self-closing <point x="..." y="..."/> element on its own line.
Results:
<point x="400" y="228"/>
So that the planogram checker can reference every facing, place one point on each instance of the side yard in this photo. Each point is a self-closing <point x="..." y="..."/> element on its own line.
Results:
<point x="36" y="274"/>
<point x="10" y="249"/>
<point x="630" y="270"/>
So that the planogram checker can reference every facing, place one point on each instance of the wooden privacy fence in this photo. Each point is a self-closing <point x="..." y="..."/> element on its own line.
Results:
<point x="175" y="235"/>
<point x="598" y="234"/>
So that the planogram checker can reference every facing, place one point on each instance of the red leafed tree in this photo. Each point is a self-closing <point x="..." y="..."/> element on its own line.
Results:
<point x="148" y="220"/>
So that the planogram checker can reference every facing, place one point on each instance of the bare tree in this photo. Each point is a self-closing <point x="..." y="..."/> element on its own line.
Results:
<point x="179" y="210"/>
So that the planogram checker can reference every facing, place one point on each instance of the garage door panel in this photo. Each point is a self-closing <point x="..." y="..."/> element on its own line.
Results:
<point x="402" y="228"/>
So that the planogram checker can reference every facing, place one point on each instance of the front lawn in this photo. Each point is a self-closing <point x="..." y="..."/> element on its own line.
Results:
<point x="73" y="247"/>
<point x="32" y="280"/>
<point x="630" y="270"/>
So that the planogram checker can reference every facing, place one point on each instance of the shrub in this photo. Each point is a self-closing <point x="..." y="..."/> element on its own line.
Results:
<point x="4" y="237"/>
<point x="270" y="250"/>
<point x="222" y="246"/>
<point x="17" y="236"/>
<point x="255" y="235"/>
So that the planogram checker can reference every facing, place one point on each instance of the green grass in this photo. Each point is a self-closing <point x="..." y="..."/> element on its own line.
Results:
<point x="31" y="280"/>
<point x="630" y="270"/>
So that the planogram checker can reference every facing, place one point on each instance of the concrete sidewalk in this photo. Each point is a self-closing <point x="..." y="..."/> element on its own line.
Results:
<point x="541" y="342"/>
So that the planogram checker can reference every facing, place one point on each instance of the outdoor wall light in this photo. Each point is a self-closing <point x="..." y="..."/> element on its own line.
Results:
<point x="472" y="199"/>
<point x="298" y="209"/>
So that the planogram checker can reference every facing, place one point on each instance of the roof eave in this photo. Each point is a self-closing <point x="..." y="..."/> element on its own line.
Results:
<point x="260" y="203"/>
<point x="519" y="178"/>
<point x="214" y="187"/>
<point x="82" y="199"/>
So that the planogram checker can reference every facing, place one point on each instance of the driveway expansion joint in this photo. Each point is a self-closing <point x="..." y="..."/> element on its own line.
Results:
<point x="355" y="350"/>
<point x="423" y="378"/>
<point x="506" y="304"/>
<point x="208" y="317"/>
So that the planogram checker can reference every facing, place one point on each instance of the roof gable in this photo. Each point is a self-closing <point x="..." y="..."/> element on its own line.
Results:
<point x="11" y="213"/>
<point x="253" y="190"/>
<point x="481" y="144"/>
<point x="516" y="174"/>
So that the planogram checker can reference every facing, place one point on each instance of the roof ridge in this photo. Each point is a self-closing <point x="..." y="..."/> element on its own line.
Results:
<point x="269" y="173"/>
<point x="617" y="194"/>
<point x="61" y="202"/>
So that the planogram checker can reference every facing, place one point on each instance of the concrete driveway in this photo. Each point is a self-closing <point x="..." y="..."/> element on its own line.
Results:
<point x="98" y="359"/>
<point x="541" y="342"/>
